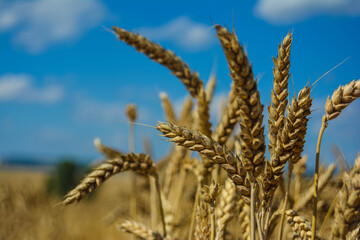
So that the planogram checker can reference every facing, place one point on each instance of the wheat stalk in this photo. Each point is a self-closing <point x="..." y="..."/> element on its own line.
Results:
<point x="251" y="117"/>
<point x="308" y="195"/>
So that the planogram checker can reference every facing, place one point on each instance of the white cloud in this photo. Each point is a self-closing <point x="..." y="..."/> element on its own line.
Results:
<point x="285" y="11"/>
<point x="20" y="87"/>
<point x="183" y="32"/>
<point x="37" y="24"/>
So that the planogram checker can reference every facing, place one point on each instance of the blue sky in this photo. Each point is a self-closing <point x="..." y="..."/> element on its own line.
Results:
<point x="65" y="79"/>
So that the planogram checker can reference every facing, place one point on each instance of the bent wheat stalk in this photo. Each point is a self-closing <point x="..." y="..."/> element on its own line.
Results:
<point x="339" y="100"/>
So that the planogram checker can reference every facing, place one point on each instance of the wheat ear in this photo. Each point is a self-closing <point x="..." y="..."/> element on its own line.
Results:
<point x="279" y="95"/>
<point x="139" y="230"/>
<point x="165" y="57"/>
<point x="168" y="108"/>
<point x="185" y="118"/>
<point x="292" y="139"/>
<point x="251" y="117"/>
<point x="107" y="151"/>
<point x="225" y="208"/>
<point x="202" y="229"/>
<point x="179" y="68"/>
<point x="339" y="100"/>
<point x="209" y="195"/>
<point x="300" y="226"/>
<point x="347" y="209"/>
<point x="210" y="87"/>
<point x="355" y="234"/>
<point x="140" y="163"/>
<point x="217" y="153"/>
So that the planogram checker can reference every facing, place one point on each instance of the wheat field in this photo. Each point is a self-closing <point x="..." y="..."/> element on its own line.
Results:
<point x="228" y="190"/>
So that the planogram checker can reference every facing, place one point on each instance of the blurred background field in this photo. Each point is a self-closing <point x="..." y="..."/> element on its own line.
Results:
<point x="65" y="79"/>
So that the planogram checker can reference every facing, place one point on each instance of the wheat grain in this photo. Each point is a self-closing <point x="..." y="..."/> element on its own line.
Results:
<point x="251" y="118"/>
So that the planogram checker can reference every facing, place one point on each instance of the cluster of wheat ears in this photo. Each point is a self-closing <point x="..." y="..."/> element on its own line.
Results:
<point x="233" y="192"/>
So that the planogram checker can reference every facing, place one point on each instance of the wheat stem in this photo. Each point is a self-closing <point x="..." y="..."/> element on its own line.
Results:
<point x="290" y="168"/>
<point x="252" y="209"/>
<point x="316" y="178"/>
<point x="328" y="216"/>
<point x="193" y="216"/>
<point x="158" y="189"/>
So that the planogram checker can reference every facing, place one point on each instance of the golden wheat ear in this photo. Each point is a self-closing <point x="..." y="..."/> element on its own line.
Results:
<point x="346" y="217"/>
<point x="218" y="154"/>
<point x="251" y="113"/>
<point x="139" y="230"/>
<point x="300" y="226"/>
<point x="140" y="163"/>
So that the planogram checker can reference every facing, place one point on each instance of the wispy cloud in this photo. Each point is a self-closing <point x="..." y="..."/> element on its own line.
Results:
<point x="183" y="32"/>
<point x="286" y="12"/>
<point x="20" y="87"/>
<point x="37" y="24"/>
